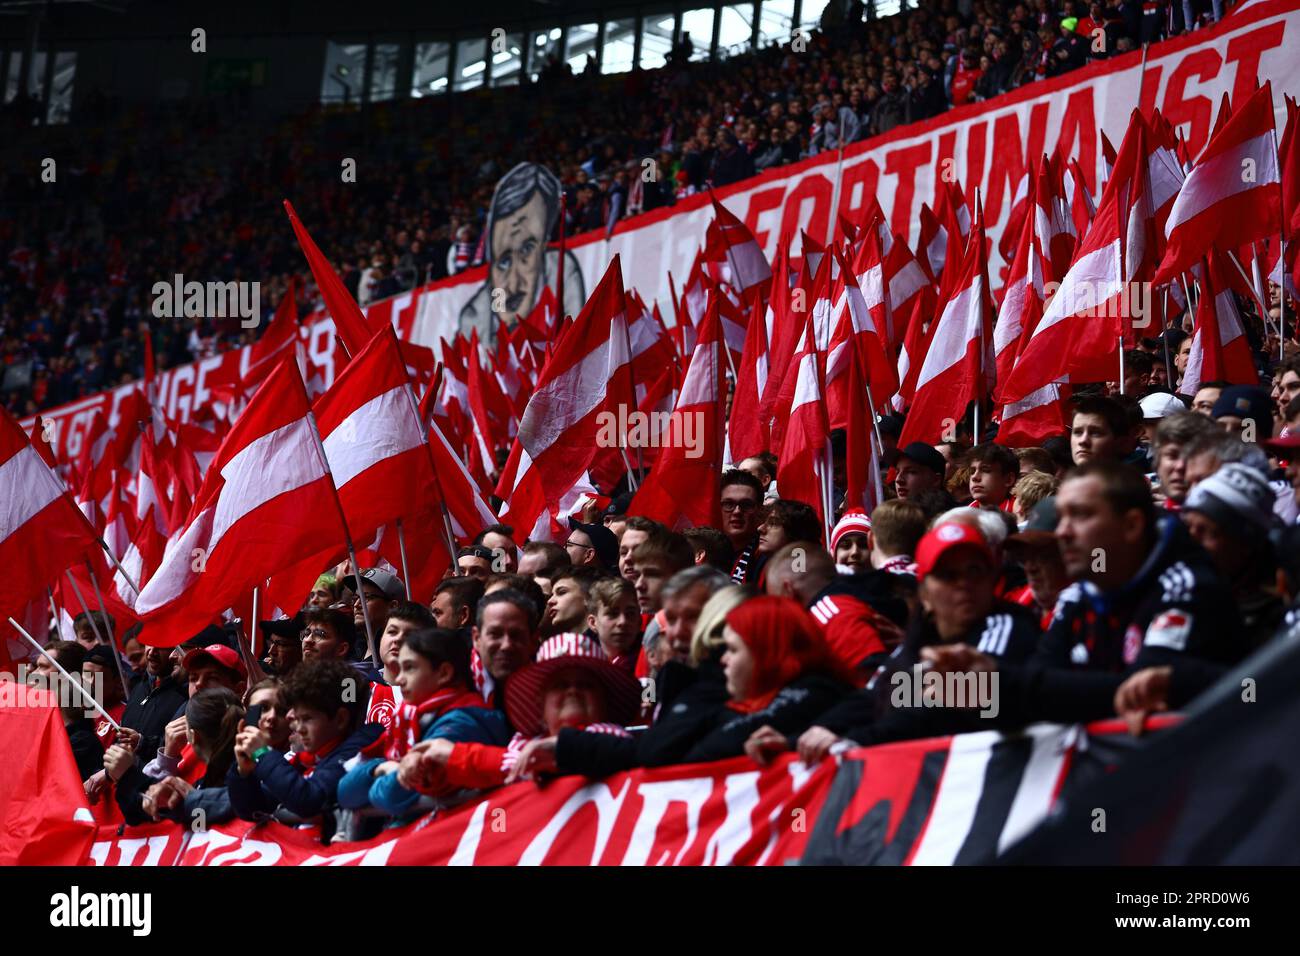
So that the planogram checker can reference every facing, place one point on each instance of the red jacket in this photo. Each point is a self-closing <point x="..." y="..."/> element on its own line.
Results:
<point x="849" y="625"/>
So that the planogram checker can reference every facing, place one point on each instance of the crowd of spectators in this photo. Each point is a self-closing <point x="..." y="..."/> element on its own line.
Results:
<point x="1121" y="568"/>
<point x="142" y="193"/>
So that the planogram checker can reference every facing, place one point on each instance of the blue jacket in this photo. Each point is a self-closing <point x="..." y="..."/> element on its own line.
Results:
<point x="360" y="788"/>
<point x="275" y="783"/>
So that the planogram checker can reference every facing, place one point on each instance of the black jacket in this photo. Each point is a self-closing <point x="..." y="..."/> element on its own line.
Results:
<point x="85" y="747"/>
<point x="276" y="784"/>
<point x="1175" y="606"/>
<point x="886" y="709"/>
<point x="209" y="796"/>
<point x="151" y="709"/>
<point x="698" y="727"/>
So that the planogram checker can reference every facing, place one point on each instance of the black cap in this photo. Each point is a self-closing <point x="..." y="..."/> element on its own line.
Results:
<point x="618" y="505"/>
<point x="604" y="541"/>
<point x="102" y="655"/>
<point x="284" y="627"/>
<point x="927" y="456"/>
<point x="891" y="425"/>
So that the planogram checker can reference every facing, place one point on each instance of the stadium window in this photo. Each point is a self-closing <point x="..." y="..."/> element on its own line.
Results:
<point x="345" y="72"/>
<point x="656" y="39"/>
<point x="699" y="24"/>
<point x="507" y="58"/>
<point x="383" y="72"/>
<point x="810" y="14"/>
<point x="429" y="76"/>
<point x="546" y="43"/>
<point x="471" y="64"/>
<point x="775" y="22"/>
<point x="620" y="46"/>
<point x="735" y="28"/>
<point x="582" y="40"/>
<point x="59" y="108"/>
<point x="12" y="71"/>
<point x="36" y="76"/>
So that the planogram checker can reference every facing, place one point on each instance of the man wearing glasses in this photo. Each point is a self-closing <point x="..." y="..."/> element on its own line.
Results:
<point x="591" y="545"/>
<point x="327" y="633"/>
<point x="742" y="495"/>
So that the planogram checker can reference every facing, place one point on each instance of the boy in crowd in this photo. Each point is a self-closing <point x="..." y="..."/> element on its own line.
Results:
<point x="1099" y="430"/>
<point x="404" y="618"/>
<point x="615" y="617"/>
<point x="566" y="608"/>
<point x="994" y="471"/>
<point x="323" y="697"/>
<point x="439" y="701"/>
<point x="711" y="547"/>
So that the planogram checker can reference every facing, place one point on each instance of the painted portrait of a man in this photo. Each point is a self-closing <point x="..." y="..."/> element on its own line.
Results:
<point x="523" y="215"/>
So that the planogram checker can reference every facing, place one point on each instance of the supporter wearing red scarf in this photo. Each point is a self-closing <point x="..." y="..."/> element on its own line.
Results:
<point x="771" y="642"/>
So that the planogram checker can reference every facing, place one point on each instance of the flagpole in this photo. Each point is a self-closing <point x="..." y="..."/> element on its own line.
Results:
<point x="1164" y="329"/>
<point x="878" y="450"/>
<point x="835" y="196"/>
<point x="347" y="535"/>
<point x="559" y="269"/>
<point x="76" y="589"/>
<point x="247" y="641"/>
<point x="1281" y="254"/>
<point x="1241" y="271"/>
<point x="54" y="611"/>
<point x="433" y="471"/>
<point x="401" y="547"/>
<point x="984" y="292"/>
<point x="108" y="622"/>
<point x="90" y="698"/>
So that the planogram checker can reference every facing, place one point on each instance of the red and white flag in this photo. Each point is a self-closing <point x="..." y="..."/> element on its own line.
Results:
<point x="804" y="462"/>
<point x="587" y="374"/>
<point x="1220" y="351"/>
<point x="684" y="488"/>
<point x="959" y="361"/>
<point x="266" y="501"/>
<point x="1233" y="194"/>
<point x="1078" y="335"/>
<point x="730" y="242"/>
<point x="342" y="308"/>
<point x="858" y="318"/>
<point x="42" y="532"/>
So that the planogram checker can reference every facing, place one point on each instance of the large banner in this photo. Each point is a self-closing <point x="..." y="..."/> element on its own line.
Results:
<point x="984" y="145"/>
<point x="950" y="800"/>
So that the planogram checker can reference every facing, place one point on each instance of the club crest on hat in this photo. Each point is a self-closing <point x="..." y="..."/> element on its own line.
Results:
<point x="949" y="532"/>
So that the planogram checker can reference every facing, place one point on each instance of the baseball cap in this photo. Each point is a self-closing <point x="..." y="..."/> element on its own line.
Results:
<point x="1159" y="405"/>
<point x="927" y="456"/>
<point x="102" y="655"/>
<point x="219" y="653"/>
<point x="604" y="541"/>
<point x="1236" y="497"/>
<point x="940" y="540"/>
<point x="1039" y="530"/>
<point x="1246" y="401"/>
<point x="387" y="582"/>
